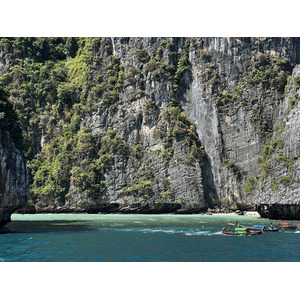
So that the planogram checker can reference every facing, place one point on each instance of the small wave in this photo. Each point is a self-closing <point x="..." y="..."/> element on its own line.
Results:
<point x="2" y="259"/>
<point x="291" y="231"/>
<point x="198" y="233"/>
<point x="173" y="231"/>
<point x="170" y="231"/>
<point x="217" y="233"/>
<point x="208" y="233"/>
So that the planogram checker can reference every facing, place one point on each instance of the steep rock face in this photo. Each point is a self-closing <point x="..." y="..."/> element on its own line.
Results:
<point x="14" y="186"/>
<point x="235" y="107"/>
<point x="149" y="157"/>
<point x="228" y="94"/>
<point x="278" y="194"/>
<point x="164" y="125"/>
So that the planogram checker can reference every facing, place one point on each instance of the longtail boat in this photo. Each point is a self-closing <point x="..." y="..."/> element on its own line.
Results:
<point x="285" y="225"/>
<point x="241" y="231"/>
<point x="251" y="229"/>
<point x="272" y="230"/>
<point x="265" y="228"/>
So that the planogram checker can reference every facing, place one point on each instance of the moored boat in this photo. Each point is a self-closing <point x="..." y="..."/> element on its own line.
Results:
<point x="272" y="230"/>
<point x="241" y="231"/>
<point x="266" y="228"/>
<point x="285" y="225"/>
<point x="289" y="226"/>
<point x="250" y="229"/>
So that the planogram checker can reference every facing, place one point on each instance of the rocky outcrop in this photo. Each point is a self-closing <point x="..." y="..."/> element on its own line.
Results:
<point x="278" y="193"/>
<point x="163" y="125"/>
<point x="14" y="186"/>
<point x="235" y="103"/>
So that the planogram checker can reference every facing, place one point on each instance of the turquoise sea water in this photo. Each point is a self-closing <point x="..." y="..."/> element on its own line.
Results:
<point x="142" y="238"/>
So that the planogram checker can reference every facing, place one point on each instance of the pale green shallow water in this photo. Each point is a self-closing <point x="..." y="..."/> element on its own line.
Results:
<point x="142" y="238"/>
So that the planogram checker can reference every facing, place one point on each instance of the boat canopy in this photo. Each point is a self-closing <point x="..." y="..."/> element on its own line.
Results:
<point x="259" y="226"/>
<point x="240" y="229"/>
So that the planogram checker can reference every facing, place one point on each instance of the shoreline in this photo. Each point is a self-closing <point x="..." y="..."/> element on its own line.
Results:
<point x="249" y="213"/>
<point x="246" y="213"/>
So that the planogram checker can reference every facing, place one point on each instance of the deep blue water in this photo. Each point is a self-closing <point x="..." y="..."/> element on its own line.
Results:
<point x="142" y="238"/>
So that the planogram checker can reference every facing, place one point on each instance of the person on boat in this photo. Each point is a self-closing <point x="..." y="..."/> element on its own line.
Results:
<point x="271" y="226"/>
<point x="229" y="228"/>
<point x="237" y="224"/>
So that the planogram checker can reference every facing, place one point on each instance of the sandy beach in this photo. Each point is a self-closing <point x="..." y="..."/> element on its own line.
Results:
<point x="245" y="213"/>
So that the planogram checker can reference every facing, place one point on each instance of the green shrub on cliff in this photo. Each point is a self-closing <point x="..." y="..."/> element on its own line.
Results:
<point x="88" y="181"/>
<point x="9" y="120"/>
<point x="269" y="72"/>
<point x="66" y="96"/>
<point x="141" y="187"/>
<point x="286" y="181"/>
<point x="251" y="184"/>
<point x="183" y="64"/>
<point x="293" y="101"/>
<point x="112" y="143"/>
<point x="142" y="55"/>
<point x="297" y="82"/>
<point x="224" y="98"/>
<point x="159" y="68"/>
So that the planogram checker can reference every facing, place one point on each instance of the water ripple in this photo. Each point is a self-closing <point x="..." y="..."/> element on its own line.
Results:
<point x="116" y="238"/>
<point x="170" y="231"/>
<point x="208" y="233"/>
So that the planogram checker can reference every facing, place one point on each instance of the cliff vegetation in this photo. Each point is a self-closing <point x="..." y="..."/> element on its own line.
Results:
<point x="154" y="125"/>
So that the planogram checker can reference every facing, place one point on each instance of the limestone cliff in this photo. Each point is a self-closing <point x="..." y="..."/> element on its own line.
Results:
<point x="154" y="125"/>
<point x="238" y="110"/>
<point x="14" y="186"/>
<point x="278" y="193"/>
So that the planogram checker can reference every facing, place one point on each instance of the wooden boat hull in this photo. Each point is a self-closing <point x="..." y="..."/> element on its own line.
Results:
<point x="246" y="233"/>
<point x="253" y="230"/>
<point x="271" y="230"/>
<point x="289" y="227"/>
<point x="285" y="225"/>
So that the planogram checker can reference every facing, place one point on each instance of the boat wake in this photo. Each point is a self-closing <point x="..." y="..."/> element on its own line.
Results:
<point x="190" y="233"/>
<point x="291" y="231"/>
<point x="169" y="231"/>
<point x="208" y="233"/>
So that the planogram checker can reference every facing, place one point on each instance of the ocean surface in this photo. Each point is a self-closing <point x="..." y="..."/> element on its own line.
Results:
<point x="142" y="238"/>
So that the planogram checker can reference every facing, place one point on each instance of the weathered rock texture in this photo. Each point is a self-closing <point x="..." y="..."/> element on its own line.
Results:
<point x="235" y="133"/>
<point x="278" y="195"/>
<point x="176" y="125"/>
<point x="14" y="186"/>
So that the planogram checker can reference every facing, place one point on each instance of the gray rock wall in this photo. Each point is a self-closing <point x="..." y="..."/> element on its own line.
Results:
<point x="278" y="194"/>
<point x="233" y="134"/>
<point x="14" y="186"/>
<point x="231" y="96"/>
